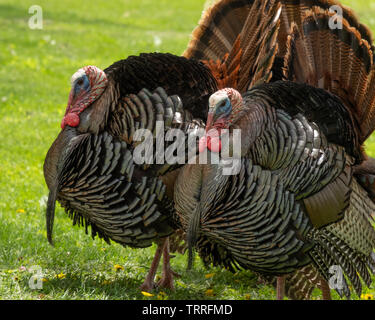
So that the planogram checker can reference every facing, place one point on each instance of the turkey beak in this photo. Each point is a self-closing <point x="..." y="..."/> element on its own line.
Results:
<point x="203" y="141"/>
<point x="210" y="120"/>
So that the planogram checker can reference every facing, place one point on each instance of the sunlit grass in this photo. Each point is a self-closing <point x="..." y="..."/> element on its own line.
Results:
<point x="35" y="69"/>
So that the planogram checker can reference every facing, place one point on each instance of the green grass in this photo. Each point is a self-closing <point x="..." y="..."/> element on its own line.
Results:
<point x="35" y="69"/>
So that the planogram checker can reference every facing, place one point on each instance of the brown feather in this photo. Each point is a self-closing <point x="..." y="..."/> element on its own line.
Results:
<point x="296" y="12"/>
<point x="232" y="38"/>
<point x="228" y="16"/>
<point x="336" y="60"/>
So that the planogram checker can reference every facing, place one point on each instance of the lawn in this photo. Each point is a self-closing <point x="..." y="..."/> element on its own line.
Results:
<point x="35" y="69"/>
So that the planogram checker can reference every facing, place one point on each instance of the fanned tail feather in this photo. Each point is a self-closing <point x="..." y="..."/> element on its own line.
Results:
<point x="337" y="60"/>
<point x="238" y="41"/>
<point x="218" y="30"/>
<point x="296" y="11"/>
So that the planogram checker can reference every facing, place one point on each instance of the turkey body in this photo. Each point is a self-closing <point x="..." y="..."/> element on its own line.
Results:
<point x="104" y="142"/>
<point x="97" y="189"/>
<point x="282" y="156"/>
<point x="295" y="204"/>
<point x="294" y="201"/>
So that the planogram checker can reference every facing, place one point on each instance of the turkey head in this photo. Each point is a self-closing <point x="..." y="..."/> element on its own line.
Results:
<point x="88" y="84"/>
<point x="223" y="106"/>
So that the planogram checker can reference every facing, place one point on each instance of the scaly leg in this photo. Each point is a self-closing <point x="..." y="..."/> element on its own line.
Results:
<point x="166" y="280"/>
<point x="280" y="288"/>
<point x="326" y="291"/>
<point x="149" y="284"/>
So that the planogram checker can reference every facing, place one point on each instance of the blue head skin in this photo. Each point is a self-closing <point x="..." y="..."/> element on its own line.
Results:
<point x="218" y="118"/>
<point x="81" y="85"/>
<point x="80" y="88"/>
<point x="220" y="110"/>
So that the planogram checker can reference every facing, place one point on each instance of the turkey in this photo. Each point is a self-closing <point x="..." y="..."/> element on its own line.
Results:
<point x="90" y="167"/>
<point x="302" y="200"/>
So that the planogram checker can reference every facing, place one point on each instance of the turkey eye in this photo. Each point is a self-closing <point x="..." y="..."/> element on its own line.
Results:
<point x="80" y="82"/>
<point x="222" y="104"/>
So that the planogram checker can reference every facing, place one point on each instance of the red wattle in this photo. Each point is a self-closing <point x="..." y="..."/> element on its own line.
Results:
<point x="214" y="144"/>
<point x="71" y="119"/>
<point x="202" y="144"/>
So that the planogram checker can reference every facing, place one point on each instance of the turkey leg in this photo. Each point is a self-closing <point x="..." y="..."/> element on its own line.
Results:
<point x="280" y="288"/>
<point x="326" y="291"/>
<point x="149" y="284"/>
<point x="166" y="280"/>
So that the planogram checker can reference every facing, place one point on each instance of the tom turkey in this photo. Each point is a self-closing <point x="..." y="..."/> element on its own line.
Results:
<point x="302" y="201"/>
<point x="89" y="168"/>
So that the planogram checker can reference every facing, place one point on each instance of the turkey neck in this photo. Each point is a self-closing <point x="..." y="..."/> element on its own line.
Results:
<point x="253" y="117"/>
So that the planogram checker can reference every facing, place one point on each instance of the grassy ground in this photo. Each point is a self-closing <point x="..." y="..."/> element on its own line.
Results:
<point x="36" y="66"/>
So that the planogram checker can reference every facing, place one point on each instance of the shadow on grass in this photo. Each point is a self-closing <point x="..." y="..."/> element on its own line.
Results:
<point x="191" y="286"/>
<point x="120" y="288"/>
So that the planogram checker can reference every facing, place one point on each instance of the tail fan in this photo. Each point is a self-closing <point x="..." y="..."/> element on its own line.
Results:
<point x="218" y="30"/>
<point x="296" y="12"/>
<point x="337" y="60"/>
<point x="238" y="41"/>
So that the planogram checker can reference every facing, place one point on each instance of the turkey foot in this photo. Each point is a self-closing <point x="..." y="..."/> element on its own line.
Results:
<point x="149" y="283"/>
